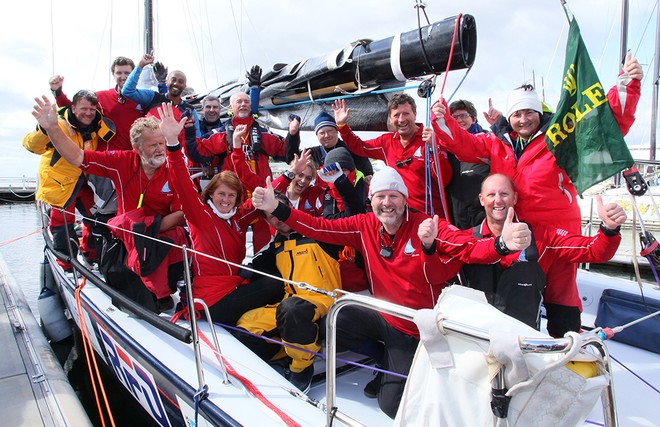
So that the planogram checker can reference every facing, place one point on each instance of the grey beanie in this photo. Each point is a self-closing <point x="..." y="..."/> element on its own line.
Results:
<point x="341" y="156"/>
<point x="387" y="178"/>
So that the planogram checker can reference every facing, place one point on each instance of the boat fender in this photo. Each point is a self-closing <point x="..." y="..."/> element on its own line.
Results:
<point x="584" y="369"/>
<point x="54" y="321"/>
<point x="47" y="278"/>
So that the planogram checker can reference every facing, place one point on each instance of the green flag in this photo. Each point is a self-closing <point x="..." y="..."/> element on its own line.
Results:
<point x="583" y="135"/>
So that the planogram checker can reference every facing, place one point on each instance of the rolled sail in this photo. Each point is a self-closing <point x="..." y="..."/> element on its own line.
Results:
<point x="363" y="67"/>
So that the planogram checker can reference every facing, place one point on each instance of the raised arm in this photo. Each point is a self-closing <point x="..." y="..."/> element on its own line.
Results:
<point x="453" y="138"/>
<point x="576" y="248"/>
<point x="239" y="164"/>
<point x="623" y="97"/>
<point x="46" y="115"/>
<point x="130" y="90"/>
<point x="56" y="82"/>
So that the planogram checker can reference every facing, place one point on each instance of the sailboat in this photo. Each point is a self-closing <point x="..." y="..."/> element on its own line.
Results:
<point x="196" y="373"/>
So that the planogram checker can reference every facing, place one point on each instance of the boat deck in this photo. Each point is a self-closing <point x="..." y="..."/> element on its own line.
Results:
<point x="33" y="387"/>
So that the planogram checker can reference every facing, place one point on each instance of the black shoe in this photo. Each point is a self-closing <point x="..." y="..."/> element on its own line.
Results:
<point x="302" y="380"/>
<point x="281" y="366"/>
<point x="373" y="387"/>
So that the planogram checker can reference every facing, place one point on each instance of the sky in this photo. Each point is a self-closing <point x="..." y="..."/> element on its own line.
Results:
<point x="213" y="42"/>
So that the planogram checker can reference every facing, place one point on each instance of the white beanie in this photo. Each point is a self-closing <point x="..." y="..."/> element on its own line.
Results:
<point x="521" y="99"/>
<point x="387" y="178"/>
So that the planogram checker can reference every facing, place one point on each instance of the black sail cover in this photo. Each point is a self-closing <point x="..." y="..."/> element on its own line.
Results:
<point x="307" y="87"/>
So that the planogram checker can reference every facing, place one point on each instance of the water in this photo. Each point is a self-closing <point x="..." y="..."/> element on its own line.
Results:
<point x="22" y="252"/>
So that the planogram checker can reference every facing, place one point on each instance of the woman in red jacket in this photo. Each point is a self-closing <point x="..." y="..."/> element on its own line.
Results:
<point x="217" y="222"/>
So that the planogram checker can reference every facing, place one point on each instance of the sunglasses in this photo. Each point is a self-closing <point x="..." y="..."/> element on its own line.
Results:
<point x="404" y="162"/>
<point x="385" y="251"/>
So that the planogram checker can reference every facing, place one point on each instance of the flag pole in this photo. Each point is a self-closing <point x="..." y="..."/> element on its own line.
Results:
<point x="654" y="100"/>
<point x="567" y="11"/>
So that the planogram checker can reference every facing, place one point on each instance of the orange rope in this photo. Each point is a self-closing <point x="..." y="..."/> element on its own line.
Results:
<point x="19" y="238"/>
<point x="91" y="358"/>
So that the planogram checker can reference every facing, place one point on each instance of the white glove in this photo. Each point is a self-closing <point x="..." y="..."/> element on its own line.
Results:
<point x="331" y="172"/>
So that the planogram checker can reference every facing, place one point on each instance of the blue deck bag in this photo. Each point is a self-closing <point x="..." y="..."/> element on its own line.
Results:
<point x="616" y="308"/>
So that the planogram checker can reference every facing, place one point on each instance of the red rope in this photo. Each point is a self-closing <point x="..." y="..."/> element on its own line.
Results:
<point x="451" y="53"/>
<point x="251" y="387"/>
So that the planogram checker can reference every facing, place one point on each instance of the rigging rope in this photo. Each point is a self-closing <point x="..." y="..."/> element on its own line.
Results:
<point x="433" y="153"/>
<point x="300" y="285"/>
<point x="306" y="350"/>
<point x="16" y="239"/>
<point x="633" y="373"/>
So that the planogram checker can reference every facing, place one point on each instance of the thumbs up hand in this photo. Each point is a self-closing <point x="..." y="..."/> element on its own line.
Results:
<point x="264" y="198"/>
<point x="515" y="235"/>
<point x="612" y="215"/>
<point x="428" y="231"/>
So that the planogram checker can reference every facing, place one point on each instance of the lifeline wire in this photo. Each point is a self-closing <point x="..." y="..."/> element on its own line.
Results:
<point x="300" y="285"/>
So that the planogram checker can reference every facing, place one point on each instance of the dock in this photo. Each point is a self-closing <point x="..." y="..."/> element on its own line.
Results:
<point x="18" y="188"/>
<point x="33" y="387"/>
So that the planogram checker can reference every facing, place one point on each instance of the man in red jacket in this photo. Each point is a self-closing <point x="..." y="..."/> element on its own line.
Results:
<point x="401" y="259"/>
<point x="112" y="104"/>
<point x="258" y="145"/>
<point x="499" y="281"/>
<point x="546" y="195"/>
<point x="143" y="190"/>
<point x="402" y="149"/>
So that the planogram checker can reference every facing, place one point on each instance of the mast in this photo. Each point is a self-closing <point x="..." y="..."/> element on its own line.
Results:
<point x="148" y="26"/>
<point x="654" y="100"/>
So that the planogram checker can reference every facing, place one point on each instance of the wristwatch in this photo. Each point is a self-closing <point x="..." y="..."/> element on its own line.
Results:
<point x="500" y="246"/>
<point x="289" y="175"/>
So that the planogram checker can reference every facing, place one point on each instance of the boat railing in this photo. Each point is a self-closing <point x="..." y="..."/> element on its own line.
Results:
<point x="19" y="183"/>
<point x="527" y="345"/>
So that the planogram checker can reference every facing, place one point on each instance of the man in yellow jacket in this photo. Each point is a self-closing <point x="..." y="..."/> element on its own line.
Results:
<point x="62" y="185"/>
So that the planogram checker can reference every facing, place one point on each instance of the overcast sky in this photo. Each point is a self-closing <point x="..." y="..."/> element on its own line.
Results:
<point x="215" y="41"/>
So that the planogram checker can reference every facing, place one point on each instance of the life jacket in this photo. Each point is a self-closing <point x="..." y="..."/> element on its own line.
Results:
<point x="301" y="259"/>
<point x="517" y="290"/>
<point x="252" y="149"/>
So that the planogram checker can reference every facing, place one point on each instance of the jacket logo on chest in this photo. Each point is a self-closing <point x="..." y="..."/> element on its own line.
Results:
<point x="409" y="250"/>
<point x="302" y="252"/>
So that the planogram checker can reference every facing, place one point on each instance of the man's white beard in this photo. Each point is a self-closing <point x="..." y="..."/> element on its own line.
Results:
<point x="155" y="162"/>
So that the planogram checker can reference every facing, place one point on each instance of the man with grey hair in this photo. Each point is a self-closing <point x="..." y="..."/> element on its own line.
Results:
<point x="210" y="115"/>
<point x="257" y="147"/>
